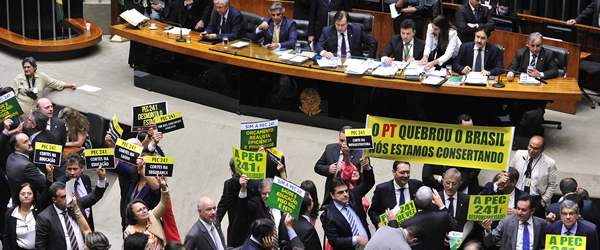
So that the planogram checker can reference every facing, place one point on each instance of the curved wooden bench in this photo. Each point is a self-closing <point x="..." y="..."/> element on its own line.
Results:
<point x="87" y="39"/>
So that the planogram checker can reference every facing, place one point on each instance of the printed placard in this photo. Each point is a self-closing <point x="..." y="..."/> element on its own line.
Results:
<point x="168" y="123"/>
<point x="47" y="153"/>
<point x="359" y="138"/>
<point x="100" y="157"/>
<point x="126" y="151"/>
<point x="9" y="106"/>
<point x="563" y="242"/>
<point x="456" y="239"/>
<point x="483" y="207"/>
<point x="161" y="166"/>
<point x="259" y="134"/>
<point x="143" y="115"/>
<point x="286" y="197"/>
<point x="278" y="154"/>
<point x="251" y="164"/>
<point x="114" y="129"/>
<point x="404" y="212"/>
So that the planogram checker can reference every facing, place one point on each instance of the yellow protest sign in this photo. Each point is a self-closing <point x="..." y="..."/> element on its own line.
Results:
<point x="275" y="153"/>
<point x="483" y="207"/>
<point x="251" y="164"/>
<point x="441" y="144"/>
<point x="563" y="242"/>
<point x="404" y="212"/>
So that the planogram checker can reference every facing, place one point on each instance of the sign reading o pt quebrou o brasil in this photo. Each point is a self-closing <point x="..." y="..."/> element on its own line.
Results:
<point x="286" y="197"/>
<point x="441" y="144"/>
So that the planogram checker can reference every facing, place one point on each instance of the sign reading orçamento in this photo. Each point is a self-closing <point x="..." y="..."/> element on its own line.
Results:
<point x="100" y="157"/>
<point x="441" y="144"/>
<point x="259" y="134"/>
<point x="47" y="153"/>
<point x="405" y="212"/>
<point x="143" y="115"/>
<point x="286" y="197"/>
<point x="114" y="129"/>
<point x="483" y="207"/>
<point x="161" y="166"/>
<point x="126" y="151"/>
<point x="563" y="242"/>
<point x="251" y="164"/>
<point x="168" y="123"/>
<point x="9" y="106"/>
<point x="359" y="138"/>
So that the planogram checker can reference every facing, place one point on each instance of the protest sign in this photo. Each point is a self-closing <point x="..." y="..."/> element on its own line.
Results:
<point x="126" y="151"/>
<point x="440" y="144"/>
<point x="259" y="134"/>
<point x="47" y="153"/>
<point x="168" y="123"/>
<point x="286" y="197"/>
<point x="9" y="106"/>
<point x="456" y="239"/>
<point x="143" y="115"/>
<point x="563" y="242"/>
<point x="359" y="138"/>
<point x="251" y="164"/>
<point x="100" y="157"/>
<point x="483" y="207"/>
<point x="114" y="129"/>
<point x="278" y="154"/>
<point x="161" y="166"/>
<point x="404" y="212"/>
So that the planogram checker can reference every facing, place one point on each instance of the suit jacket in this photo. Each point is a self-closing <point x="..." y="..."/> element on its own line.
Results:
<point x="307" y="234"/>
<point x="234" y="28"/>
<point x="489" y="190"/>
<point x="318" y="13"/>
<point x="49" y="233"/>
<point x="9" y="241"/>
<point x="434" y="239"/>
<point x="302" y="9"/>
<point x="591" y="12"/>
<point x="200" y="10"/>
<point x="589" y="211"/>
<point x="337" y="228"/>
<point x="546" y="183"/>
<point x="199" y="237"/>
<point x="395" y="48"/>
<point x="154" y="216"/>
<point x="492" y="60"/>
<point x="329" y="156"/>
<point x="384" y="197"/>
<point x="287" y="33"/>
<point x="469" y="177"/>
<point x="507" y="233"/>
<point x="545" y="62"/>
<point x="93" y="196"/>
<point x="381" y="239"/>
<point x="462" y="208"/>
<point x="356" y="37"/>
<point x="582" y="230"/>
<point x="20" y="170"/>
<point x="464" y="15"/>
<point x="249" y="244"/>
<point x="58" y="129"/>
<point x="43" y="137"/>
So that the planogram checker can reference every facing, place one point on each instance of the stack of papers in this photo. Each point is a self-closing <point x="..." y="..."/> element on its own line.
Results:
<point x="239" y="44"/>
<point x="351" y="62"/>
<point x="475" y="78"/>
<point x="357" y="69"/>
<point x="175" y="31"/>
<point x="329" y="63"/>
<point x="414" y="69"/>
<point x="438" y="73"/>
<point x="293" y="58"/>
<point x="528" y="80"/>
<point x="455" y="81"/>
<point x="282" y="52"/>
<point x="433" y="80"/>
<point x="389" y="71"/>
<point x="134" y="17"/>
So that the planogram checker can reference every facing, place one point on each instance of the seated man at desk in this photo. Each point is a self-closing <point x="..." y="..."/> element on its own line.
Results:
<point x="404" y="46"/>
<point x="479" y="55"/>
<point x="590" y="15"/>
<point x="542" y="61"/>
<point x="226" y="21"/>
<point x="344" y="39"/>
<point x="277" y="31"/>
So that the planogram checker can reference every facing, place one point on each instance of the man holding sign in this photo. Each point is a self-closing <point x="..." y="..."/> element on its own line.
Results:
<point x="36" y="123"/>
<point x="457" y="203"/>
<point x="568" y="225"/>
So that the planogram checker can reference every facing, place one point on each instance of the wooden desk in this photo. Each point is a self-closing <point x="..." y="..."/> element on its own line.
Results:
<point x="561" y="89"/>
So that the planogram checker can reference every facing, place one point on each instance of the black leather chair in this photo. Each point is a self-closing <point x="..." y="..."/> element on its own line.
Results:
<point x="302" y="33"/>
<point x="562" y="61"/>
<point x="501" y="52"/>
<point x="97" y="130"/>
<point x="251" y="21"/>
<point x="367" y="21"/>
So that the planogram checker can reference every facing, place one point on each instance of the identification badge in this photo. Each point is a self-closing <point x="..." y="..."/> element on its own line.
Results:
<point x="528" y="182"/>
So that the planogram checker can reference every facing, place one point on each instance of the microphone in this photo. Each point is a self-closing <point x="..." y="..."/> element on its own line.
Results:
<point x="180" y="39"/>
<point x="499" y="84"/>
<point x="540" y="79"/>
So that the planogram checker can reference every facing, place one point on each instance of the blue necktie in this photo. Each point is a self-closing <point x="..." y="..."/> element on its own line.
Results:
<point x="476" y="14"/>
<point x="343" y="45"/>
<point x="351" y="220"/>
<point x="401" y="201"/>
<point x="525" y="236"/>
<point x="478" y="61"/>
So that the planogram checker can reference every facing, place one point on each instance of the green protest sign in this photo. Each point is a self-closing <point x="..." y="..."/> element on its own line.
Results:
<point x="482" y="207"/>
<point x="259" y="134"/>
<point x="404" y="212"/>
<point x="251" y="164"/>
<point x="285" y="197"/>
<point x="456" y="239"/>
<point x="9" y="106"/>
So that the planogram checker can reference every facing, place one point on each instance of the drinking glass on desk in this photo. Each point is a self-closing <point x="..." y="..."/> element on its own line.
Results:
<point x="225" y="42"/>
<point x="189" y="38"/>
<point x="370" y="63"/>
<point x="449" y="70"/>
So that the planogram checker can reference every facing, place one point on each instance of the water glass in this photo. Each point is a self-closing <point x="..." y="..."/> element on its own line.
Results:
<point x="297" y="50"/>
<point x="449" y="70"/>
<point x="225" y="42"/>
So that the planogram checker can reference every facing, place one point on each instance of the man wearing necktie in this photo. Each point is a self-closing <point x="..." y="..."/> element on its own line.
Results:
<point x="344" y="39"/>
<point x="278" y="31"/>
<point x="405" y="46"/>
<point x="519" y="231"/>
<point x="470" y="17"/>
<point x="541" y="60"/>
<point x="479" y="55"/>
<point x="396" y="192"/>
<point x="226" y="21"/>
<point x="569" y="226"/>
<point x="456" y="203"/>
<point x="206" y="232"/>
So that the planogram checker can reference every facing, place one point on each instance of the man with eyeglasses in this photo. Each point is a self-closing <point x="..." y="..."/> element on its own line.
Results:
<point x="456" y="203"/>
<point x="568" y="225"/>
<point x="396" y="192"/>
<point x="538" y="174"/>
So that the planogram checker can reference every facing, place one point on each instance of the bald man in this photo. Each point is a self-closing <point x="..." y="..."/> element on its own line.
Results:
<point x="206" y="232"/>
<point x="55" y="125"/>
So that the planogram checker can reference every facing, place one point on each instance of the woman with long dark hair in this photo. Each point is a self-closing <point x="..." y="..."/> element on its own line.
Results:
<point x="442" y="43"/>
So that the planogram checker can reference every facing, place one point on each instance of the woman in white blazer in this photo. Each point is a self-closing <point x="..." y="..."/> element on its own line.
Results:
<point x="441" y="44"/>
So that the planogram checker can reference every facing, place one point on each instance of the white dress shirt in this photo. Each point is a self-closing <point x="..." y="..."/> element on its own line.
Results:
<point x="537" y="60"/>
<point x="75" y="227"/>
<point x="25" y="228"/>
<point x="476" y="50"/>
<point x="533" y="191"/>
<point x="339" y="48"/>
<point x="520" y="234"/>
<point x="431" y="43"/>
<point x="405" y="191"/>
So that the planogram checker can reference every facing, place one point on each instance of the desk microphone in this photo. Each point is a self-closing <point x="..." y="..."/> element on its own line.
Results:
<point x="180" y="39"/>
<point x="499" y="84"/>
<point x="540" y="79"/>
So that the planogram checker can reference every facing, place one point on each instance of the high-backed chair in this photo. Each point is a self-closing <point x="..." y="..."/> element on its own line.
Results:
<point x="251" y="21"/>
<point x="367" y="21"/>
<point x="561" y="56"/>
<point x="501" y="52"/>
<point x="302" y="33"/>
<point x="57" y="108"/>
<point x="97" y="130"/>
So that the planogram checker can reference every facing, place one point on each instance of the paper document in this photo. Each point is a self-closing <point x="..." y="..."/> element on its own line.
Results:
<point x="357" y="69"/>
<point x="308" y="54"/>
<point x="528" y="80"/>
<point x="389" y="71"/>
<point x="286" y="57"/>
<point x="433" y="72"/>
<point x="399" y="64"/>
<point x="281" y="51"/>
<point x="393" y="11"/>
<point x="351" y="62"/>
<point x="476" y="78"/>
<point x="88" y="88"/>
<point x="239" y="44"/>
<point x="433" y="80"/>
<point x="175" y="31"/>
<point x="329" y="63"/>
<point x="70" y="187"/>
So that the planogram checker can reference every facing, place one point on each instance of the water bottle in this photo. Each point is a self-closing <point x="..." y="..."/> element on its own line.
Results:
<point x="298" y="50"/>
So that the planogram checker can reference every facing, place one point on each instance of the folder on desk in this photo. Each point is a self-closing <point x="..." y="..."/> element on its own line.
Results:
<point x="209" y="41"/>
<point x="434" y="81"/>
<point x="476" y="79"/>
<point x="525" y="79"/>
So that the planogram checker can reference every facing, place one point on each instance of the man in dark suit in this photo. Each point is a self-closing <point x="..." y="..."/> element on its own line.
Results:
<point x="542" y="60"/>
<point x="36" y="124"/>
<point x="56" y="227"/>
<point x="333" y="155"/>
<point x="589" y="15"/>
<point x="83" y="185"/>
<point x="305" y="231"/>
<point x="206" y="232"/>
<point x="228" y="204"/>
<point x="505" y="185"/>
<point x="318" y="16"/>
<point x="405" y="46"/>
<point x="278" y="31"/>
<point x="457" y="203"/>
<point x="19" y="168"/>
<point x="302" y="9"/>
<point x="344" y="39"/>
<point x="345" y="220"/>
<point x="193" y="14"/>
<point x="470" y="17"/>
<point x="396" y="192"/>
<point x="568" y="225"/>
<point x="519" y="227"/>
<point x="502" y="8"/>
<point x="568" y="186"/>
<point x="251" y="209"/>
<point x="262" y="231"/>
<point x="55" y="125"/>
<point x="437" y="224"/>
<point x="469" y="56"/>
<point x="226" y="21"/>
